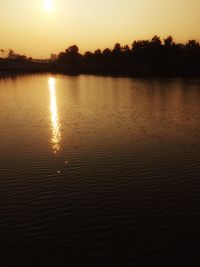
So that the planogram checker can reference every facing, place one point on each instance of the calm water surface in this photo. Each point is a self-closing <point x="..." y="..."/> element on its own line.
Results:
<point x="99" y="171"/>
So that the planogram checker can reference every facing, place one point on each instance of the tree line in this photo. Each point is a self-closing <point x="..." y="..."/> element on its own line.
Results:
<point x="145" y="57"/>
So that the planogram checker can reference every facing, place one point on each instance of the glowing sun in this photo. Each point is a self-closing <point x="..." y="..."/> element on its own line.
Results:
<point x="48" y="5"/>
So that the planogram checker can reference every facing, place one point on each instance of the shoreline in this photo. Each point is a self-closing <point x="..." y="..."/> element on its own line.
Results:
<point x="15" y="68"/>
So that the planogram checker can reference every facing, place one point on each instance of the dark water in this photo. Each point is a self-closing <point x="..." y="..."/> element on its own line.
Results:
<point x="98" y="171"/>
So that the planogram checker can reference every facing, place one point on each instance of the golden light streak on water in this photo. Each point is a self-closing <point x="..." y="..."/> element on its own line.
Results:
<point x="55" y="125"/>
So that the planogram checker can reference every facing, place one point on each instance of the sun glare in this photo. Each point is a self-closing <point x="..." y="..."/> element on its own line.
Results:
<point x="48" y="5"/>
<point x="55" y="125"/>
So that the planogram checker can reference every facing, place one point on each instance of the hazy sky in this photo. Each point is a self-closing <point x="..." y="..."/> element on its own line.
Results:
<point x="27" y="27"/>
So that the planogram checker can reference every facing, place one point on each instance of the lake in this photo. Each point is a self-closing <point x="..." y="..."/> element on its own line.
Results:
<point x="99" y="171"/>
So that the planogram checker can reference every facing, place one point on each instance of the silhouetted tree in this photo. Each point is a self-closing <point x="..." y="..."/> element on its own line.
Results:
<point x="117" y="49"/>
<point x="72" y="50"/>
<point x="156" y="42"/>
<point x="71" y="57"/>
<point x="11" y="54"/>
<point x="144" y="57"/>
<point x="107" y="52"/>
<point x="168" y="42"/>
<point x="192" y="45"/>
<point x="126" y="49"/>
<point x="98" y="52"/>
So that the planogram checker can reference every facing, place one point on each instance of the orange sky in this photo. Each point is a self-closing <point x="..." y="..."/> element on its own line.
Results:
<point x="30" y="28"/>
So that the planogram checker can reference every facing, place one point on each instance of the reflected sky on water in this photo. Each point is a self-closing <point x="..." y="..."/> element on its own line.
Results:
<point x="102" y="171"/>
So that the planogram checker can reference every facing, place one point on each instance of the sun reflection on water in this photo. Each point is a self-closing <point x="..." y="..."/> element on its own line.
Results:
<point x="56" y="135"/>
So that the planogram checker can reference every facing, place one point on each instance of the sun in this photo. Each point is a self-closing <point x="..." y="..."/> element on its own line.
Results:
<point x="48" y="5"/>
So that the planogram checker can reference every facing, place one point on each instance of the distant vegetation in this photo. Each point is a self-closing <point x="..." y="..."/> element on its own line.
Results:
<point x="144" y="58"/>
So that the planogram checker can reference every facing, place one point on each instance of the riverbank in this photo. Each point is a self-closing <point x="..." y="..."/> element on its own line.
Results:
<point x="12" y="68"/>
